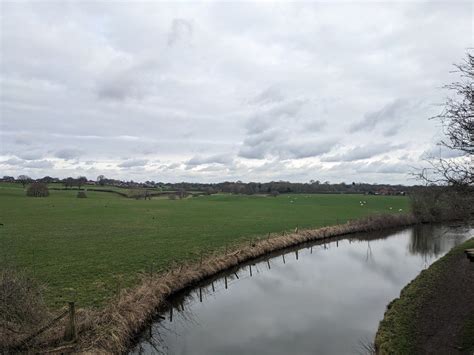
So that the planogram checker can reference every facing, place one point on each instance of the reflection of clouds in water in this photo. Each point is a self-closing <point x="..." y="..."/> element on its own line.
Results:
<point x="326" y="301"/>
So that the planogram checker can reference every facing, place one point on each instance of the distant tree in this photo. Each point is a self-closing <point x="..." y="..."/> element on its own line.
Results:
<point x="101" y="180"/>
<point x="182" y="193"/>
<point x="47" y="179"/>
<point x="274" y="193"/>
<point x="80" y="181"/>
<point x="210" y="191"/>
<point x="37" y="189"/>
<point x="69" y="182"/>
<point x="8" y="179"/>
<point x="24" y="180"/>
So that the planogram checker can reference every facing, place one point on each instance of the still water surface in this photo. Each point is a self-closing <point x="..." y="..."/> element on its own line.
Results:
<point x="324" y="298"/>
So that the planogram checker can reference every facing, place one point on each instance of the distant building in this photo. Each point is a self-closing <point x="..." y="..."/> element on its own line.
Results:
<point x="388" y="191"/>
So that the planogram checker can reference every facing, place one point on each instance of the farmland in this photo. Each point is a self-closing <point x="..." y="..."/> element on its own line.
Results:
<point x="87" y="249"/>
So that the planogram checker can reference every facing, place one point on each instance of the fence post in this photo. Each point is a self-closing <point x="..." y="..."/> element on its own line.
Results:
<point x="70" y="332"/>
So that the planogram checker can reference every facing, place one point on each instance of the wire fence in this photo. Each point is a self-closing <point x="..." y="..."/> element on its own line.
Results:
<point x="70" y="333"/>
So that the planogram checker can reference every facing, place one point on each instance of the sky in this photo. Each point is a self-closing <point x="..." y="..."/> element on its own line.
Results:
<point x="226" y="91"/>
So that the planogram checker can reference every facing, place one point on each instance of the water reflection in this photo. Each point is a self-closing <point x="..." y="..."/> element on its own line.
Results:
<point x="431" y="241"/>
<point x="324" y="298"/>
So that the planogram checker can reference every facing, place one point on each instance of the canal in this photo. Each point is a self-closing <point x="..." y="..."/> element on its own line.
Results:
<point x="325" y="297"/>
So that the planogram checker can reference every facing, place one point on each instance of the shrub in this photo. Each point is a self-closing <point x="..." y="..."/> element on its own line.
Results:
<point x="431" y="204"/>
<point x="172" y="196"/>
<point x="37" y="189"/>
<point x="21" y="305"/>
<point x="81" y="194"/>
<point x="139" y="194"/>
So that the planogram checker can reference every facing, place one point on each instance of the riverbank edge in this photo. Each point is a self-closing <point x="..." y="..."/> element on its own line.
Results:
<point x="397" y="330"/>
<point x="112" y="329"/>
<point x="116" y="325"/>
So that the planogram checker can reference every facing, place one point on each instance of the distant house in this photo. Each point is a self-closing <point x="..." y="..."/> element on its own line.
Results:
<point x="388" y="191"/>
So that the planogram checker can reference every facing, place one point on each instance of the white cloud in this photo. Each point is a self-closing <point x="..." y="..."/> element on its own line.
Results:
<point x="223" y="91"/>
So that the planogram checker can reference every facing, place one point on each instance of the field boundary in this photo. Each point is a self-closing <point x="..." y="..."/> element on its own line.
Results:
<point x="112" y="329"/>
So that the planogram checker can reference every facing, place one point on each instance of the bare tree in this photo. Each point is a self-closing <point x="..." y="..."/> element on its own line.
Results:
<point x="101" y="180"/>
<point x="38" y="189"/>
<point x="457" y="119"/>
<point x="24" y="180"/>
<point x="68" y="182"/>
<point x="81" y="180"/>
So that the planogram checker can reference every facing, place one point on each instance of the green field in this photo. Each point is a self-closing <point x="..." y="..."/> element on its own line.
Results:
<point x="87" y="249"/>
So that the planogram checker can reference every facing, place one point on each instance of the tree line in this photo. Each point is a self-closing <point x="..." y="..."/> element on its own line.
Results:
<point x="234" y="187"/>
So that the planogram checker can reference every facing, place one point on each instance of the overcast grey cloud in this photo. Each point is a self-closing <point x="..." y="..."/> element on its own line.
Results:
<point x="214" y="159"/>
<point x="68" y="153"/>
<point x="212" y="91"/>
<point x="363" y="152"/>
<point x="131" y="163"/>
<point x="394" y="111"/>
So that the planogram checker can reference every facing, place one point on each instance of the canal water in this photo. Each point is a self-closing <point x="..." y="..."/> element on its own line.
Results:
<point x="321" y="298"/>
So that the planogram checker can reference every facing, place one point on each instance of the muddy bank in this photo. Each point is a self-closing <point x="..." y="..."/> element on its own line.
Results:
<point x="435" y="312"/>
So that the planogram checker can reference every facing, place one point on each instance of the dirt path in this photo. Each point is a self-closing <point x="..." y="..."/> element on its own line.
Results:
<point x="440" y="320"/>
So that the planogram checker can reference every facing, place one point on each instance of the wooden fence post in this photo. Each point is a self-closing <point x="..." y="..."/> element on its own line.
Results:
<point x="70" y="333"/>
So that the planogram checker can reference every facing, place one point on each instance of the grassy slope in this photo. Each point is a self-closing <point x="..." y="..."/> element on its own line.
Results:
<point x="395" y="333"/>
<point x="87" y="248"/>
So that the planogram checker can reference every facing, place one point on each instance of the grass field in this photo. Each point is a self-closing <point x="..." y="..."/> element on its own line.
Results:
<point x="86" y="249"/>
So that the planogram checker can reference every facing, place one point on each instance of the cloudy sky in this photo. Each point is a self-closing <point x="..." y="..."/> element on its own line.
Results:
<point x="213" y="91"/>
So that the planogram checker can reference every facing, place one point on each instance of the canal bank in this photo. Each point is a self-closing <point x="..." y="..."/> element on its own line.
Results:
<point x="435" y="312"/>
<point x="114" y="328"/>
